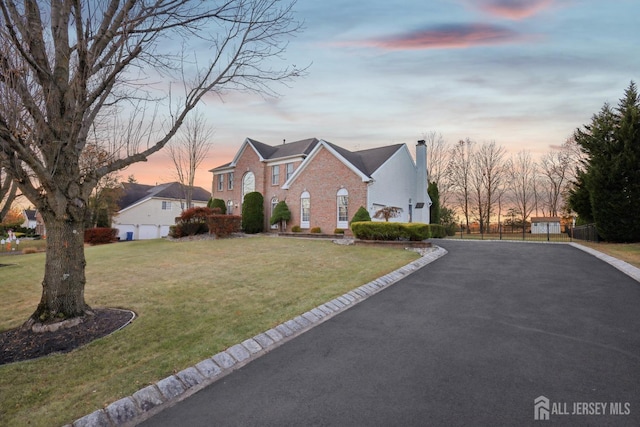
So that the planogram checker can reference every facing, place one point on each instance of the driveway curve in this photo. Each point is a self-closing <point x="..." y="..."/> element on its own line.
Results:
<point x="473" y="338"/>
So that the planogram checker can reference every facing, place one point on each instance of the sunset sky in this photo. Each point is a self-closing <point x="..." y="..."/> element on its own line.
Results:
<point x="522" y="73"/>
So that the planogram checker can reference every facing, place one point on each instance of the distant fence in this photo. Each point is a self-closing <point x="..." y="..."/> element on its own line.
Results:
<point x="583" y="232"/>
<point x="587" y="232"/>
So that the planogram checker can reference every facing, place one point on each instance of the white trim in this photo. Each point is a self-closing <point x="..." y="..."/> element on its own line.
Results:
<point x="305" y="224"/>
<point x="324" y="144"/>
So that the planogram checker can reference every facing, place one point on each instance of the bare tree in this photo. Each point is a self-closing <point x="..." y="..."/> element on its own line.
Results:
<point x="487" y="180"/>
<point x="522" y="173"/>
<point x="555" y="169"/>
<point x="438" y="152"/>
<point x="460" y="169"/>
<point x="8" y="190"/>
<point x="189" y="149"/>
<point x="67" y="66"/>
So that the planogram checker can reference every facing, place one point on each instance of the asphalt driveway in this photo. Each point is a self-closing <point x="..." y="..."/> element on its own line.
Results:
<point x="471" y="339"/>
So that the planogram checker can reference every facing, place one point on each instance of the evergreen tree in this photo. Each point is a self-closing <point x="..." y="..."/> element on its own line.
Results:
<point x="434" y="194"/>
<point x="612" y="173"/>
<point x="218" y="203"/>
<point x="281" y="213"/>
<point x="253" y="213"/>
<point x="361" y="215"/>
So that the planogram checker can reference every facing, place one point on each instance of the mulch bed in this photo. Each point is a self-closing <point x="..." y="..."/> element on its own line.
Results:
<point x="17" y="344"/>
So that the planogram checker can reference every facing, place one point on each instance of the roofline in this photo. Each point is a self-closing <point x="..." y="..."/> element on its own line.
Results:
<point x="313" y="153"/>
<point x="400" y="147"/>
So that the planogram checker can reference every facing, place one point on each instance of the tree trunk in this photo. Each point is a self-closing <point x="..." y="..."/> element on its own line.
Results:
<point x="64" y="275"/>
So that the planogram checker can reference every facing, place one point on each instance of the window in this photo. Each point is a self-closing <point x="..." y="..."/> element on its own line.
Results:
<point x="166" y="206"/>
<point x="230" y="206"/>
<point x="274" y="203"/>
<point x="305" y="210"/>
<point x="289" y="167"/>
<point x="275" y="174"/>
<point x="343" y="208"/>
<point x="220" y="182"/>
<point x="230" y="182"/>
<point x="248" y="184"/>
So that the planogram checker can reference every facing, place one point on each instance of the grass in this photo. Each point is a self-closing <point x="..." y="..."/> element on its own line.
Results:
<point x="628" y="252"/>
<point x="193" y="299"/>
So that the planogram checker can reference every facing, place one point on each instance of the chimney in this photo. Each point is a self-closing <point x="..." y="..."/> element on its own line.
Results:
<point x="422" y="198"/>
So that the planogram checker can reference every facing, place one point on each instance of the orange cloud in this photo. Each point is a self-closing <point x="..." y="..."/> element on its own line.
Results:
<point x="443" y="37"/>
<point x="514" y="9"/>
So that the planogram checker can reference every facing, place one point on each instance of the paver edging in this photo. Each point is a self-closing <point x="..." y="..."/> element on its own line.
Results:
<point x="152" y="399"/>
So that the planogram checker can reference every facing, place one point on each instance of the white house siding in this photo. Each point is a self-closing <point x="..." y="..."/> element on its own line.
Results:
<point x="541" y="227"/>
<point x="394" y="184"/>
<point x="147" y="219"/>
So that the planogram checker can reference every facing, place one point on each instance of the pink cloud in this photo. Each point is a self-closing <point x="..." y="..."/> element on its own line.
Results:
<point x="443" y="37"/>
<point x="514" y="9"/>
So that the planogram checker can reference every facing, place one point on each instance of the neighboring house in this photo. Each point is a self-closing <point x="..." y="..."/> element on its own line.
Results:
<point x="544" y="225"/>
<point x="147" y="211"/>
<point x="29" y="216"/>
<point x="324" y="184"/>
<point x="33" y="219"/>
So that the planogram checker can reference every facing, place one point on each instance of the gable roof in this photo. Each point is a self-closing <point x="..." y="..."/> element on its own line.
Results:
<point x="368" y="161"/>
<point x="30" y="214"/>
<point x="135" y="193"/>
<point x="363" y="163"/>
<point x="267" y="152"/>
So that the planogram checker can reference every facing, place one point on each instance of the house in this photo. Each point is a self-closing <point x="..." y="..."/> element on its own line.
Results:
<point x="324" y="184"/>
<point x="33" y="219"/>
<point x="29" y="216"/>
<point x="147" y="211"/>
<point x="544" y="225"/>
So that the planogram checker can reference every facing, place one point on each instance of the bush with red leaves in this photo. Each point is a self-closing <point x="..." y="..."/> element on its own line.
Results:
<point x="100" y="235"/>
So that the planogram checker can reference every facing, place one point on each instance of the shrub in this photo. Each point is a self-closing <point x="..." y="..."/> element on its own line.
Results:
<point x="315" y="230"/>
<point x="437" y="231"/>
<point x="367" y="230"/>
<point x="100" y="235"/>
<point x="281" y="214"/>
<point x="191" y="222"/>
<point x="253" y="213"/>
<point x="361" y="215"/>
<point x="338" y="231"/>
<point x="29" y="251"/>
<point x="218" y="203"/>
<point x="296" y="229"/>
<point x="224" y="225"/>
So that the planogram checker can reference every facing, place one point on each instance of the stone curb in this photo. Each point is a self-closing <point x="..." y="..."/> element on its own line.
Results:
<point x="625" y="267"/>
<point x="150" y="400"/>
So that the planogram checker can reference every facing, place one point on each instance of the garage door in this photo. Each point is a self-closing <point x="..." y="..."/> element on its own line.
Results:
<point x="146" y="232"/>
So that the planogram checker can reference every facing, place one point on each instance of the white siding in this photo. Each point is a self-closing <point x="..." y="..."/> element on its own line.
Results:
<point x="147" y="220"/>
<point x="394" y="184"/>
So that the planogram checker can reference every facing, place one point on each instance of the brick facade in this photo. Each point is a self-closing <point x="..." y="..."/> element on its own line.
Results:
<point x="321" y="169"/>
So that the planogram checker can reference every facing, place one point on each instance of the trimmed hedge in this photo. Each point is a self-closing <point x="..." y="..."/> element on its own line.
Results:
<point x="253" y="213"/>
<point x="224" y="225"/>
<point x="218" y="203"/>
<point x="100" y="235"/>
<point x="368" y="230"/>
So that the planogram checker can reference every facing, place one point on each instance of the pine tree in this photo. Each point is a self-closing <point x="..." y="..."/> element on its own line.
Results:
<point x="612" y="173"/>
<point x="434" y="194"/>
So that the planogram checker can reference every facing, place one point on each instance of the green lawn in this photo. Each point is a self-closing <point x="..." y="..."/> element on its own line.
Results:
<point x="193" y="299"/>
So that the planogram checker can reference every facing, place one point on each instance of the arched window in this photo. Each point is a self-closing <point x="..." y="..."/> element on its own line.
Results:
<point x="248" y="184"/>
<point x="305" y="210"/>
<point x="342" y="204"/>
